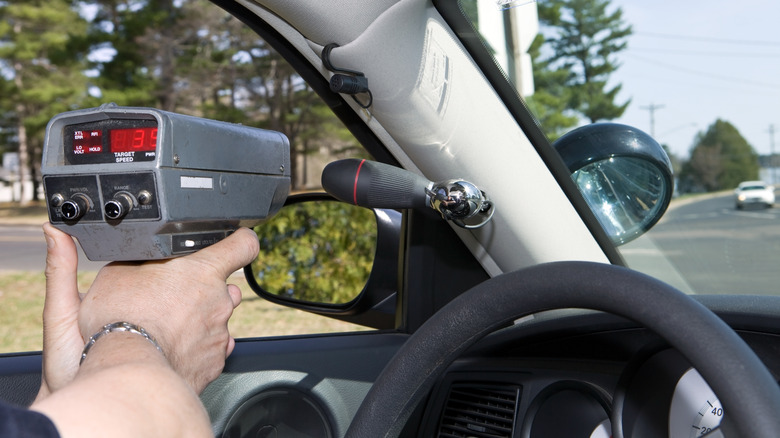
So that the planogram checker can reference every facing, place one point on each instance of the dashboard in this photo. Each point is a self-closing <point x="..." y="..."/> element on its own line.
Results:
<point x="580" y="376"/>
<point x="565" y="373"/>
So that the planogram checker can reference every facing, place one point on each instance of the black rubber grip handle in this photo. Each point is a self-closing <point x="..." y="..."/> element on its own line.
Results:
<point x="374" y="185"/>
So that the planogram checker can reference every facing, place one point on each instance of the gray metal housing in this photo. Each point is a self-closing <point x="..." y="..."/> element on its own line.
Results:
<point x="209" y="178"/>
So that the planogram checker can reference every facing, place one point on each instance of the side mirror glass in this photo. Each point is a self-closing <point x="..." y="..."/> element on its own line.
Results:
<point x="315" y="250"/>
<point x="624" y="175"/>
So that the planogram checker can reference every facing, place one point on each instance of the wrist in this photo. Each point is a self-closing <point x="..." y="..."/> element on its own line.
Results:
<point x="116" y="328"/>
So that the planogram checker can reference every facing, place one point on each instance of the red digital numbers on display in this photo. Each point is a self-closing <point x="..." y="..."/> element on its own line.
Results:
<point x="87" y="142"/>
<point x="134" y="140"/>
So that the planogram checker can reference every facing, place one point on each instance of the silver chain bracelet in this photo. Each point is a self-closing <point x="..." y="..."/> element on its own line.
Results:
<point x="117" y="327"/>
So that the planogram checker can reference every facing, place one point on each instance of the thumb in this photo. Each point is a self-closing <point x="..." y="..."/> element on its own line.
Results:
<point x="62" y="339"/>
<point x="232" y="253"/>
<point x="62" y="294"/>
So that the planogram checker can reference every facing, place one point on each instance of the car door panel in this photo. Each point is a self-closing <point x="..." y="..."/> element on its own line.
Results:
<point x="263" y="376"/>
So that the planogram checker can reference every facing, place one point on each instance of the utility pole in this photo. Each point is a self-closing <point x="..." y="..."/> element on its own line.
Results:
<point x="772" y="164"/>
<point x="652" y="109"/>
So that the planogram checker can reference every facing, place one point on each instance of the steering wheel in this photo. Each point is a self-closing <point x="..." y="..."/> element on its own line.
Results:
<point x="747" y="390"/>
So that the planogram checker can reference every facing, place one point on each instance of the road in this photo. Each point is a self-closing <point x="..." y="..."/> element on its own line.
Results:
<point x="705" y="246"/>
<point x="22" y="248"/>
<point x="708" y="246"/>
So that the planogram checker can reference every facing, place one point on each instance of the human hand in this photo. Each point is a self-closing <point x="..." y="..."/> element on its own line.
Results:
<point x="183" y="303"/>
<point x="62" y="341"/>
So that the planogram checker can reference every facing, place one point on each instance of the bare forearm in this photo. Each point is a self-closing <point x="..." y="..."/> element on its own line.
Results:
<point x="126" y="387"/>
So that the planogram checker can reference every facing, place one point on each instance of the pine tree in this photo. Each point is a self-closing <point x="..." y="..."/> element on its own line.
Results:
<point x="583" y="38"/>
<point x="549" y="103"/>
<point x="39" y="52"/>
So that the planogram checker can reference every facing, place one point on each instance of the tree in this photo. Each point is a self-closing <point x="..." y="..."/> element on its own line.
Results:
<point x="143" y="38"/>
<point x="177" y="55"/>
<point x="39" y="52"/>
<point x="8" y="123"/>
<point x="582" y="38"/>
<point x="210" y="61"/>
<point x="316" y="251"/>
<point x="720" y="159"/>
<point x="549" y="103"/>
<point x="265" y="91"/>
<point x="189" y="57"/>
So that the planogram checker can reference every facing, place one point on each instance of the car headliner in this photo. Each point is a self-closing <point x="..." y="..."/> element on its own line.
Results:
<point x="439" y="117"/>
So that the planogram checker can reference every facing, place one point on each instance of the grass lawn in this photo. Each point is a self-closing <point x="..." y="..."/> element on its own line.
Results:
<point x="21" y="304"/>
<point x="33" y="213"/>
<point x="21" y="301"/>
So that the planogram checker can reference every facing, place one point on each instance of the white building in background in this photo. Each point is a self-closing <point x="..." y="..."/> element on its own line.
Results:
<point x="10" y="186"/>
<point x="509" y="27"/>
<point x="9" y="176"/>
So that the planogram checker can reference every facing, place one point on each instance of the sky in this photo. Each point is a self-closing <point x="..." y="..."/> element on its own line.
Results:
<point x="691" y="62"/>
<point x="698" y="61"/>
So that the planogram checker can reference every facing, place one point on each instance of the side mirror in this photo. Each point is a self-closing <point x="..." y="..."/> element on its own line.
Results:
<point x="624" y="175"/>
<point x="331" y="258"/>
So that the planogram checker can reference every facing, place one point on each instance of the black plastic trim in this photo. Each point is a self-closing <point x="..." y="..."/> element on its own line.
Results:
<point x="437" y="268"/>
<point x="20" y="377"/>
<point x="593" y="393"/>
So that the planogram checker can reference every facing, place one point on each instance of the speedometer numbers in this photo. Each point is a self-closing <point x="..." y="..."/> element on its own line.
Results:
<point x="708" y="418"/>
<point x="695" y="409"/>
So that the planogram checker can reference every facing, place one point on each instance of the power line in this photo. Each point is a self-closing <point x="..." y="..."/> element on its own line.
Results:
<point x="731" y="79"/>
<point x="709" y="39"/>
<point x="666" y="51"/>
<point x="677" y="128"/>
<point x="772" y="153"/>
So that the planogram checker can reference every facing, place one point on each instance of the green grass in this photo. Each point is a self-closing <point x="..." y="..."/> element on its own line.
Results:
<point x="22" y="293"/>
<point x="33" y="213"/>
<point x="21" y="304"/>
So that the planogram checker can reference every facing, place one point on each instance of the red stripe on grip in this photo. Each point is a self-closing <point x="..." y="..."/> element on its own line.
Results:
<point x="354" y="189"/>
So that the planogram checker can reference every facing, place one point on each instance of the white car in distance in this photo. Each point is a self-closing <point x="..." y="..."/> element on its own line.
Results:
<point x="754" y="193"/>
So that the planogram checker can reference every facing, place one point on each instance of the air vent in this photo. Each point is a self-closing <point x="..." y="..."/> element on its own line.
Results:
<point x="479" y="411"/>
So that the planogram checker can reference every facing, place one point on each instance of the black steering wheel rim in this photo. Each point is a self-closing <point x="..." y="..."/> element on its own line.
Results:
<point x="747" y="390"/>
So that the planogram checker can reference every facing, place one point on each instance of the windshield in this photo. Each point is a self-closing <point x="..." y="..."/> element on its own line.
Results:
<point x="701" y="87"/>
